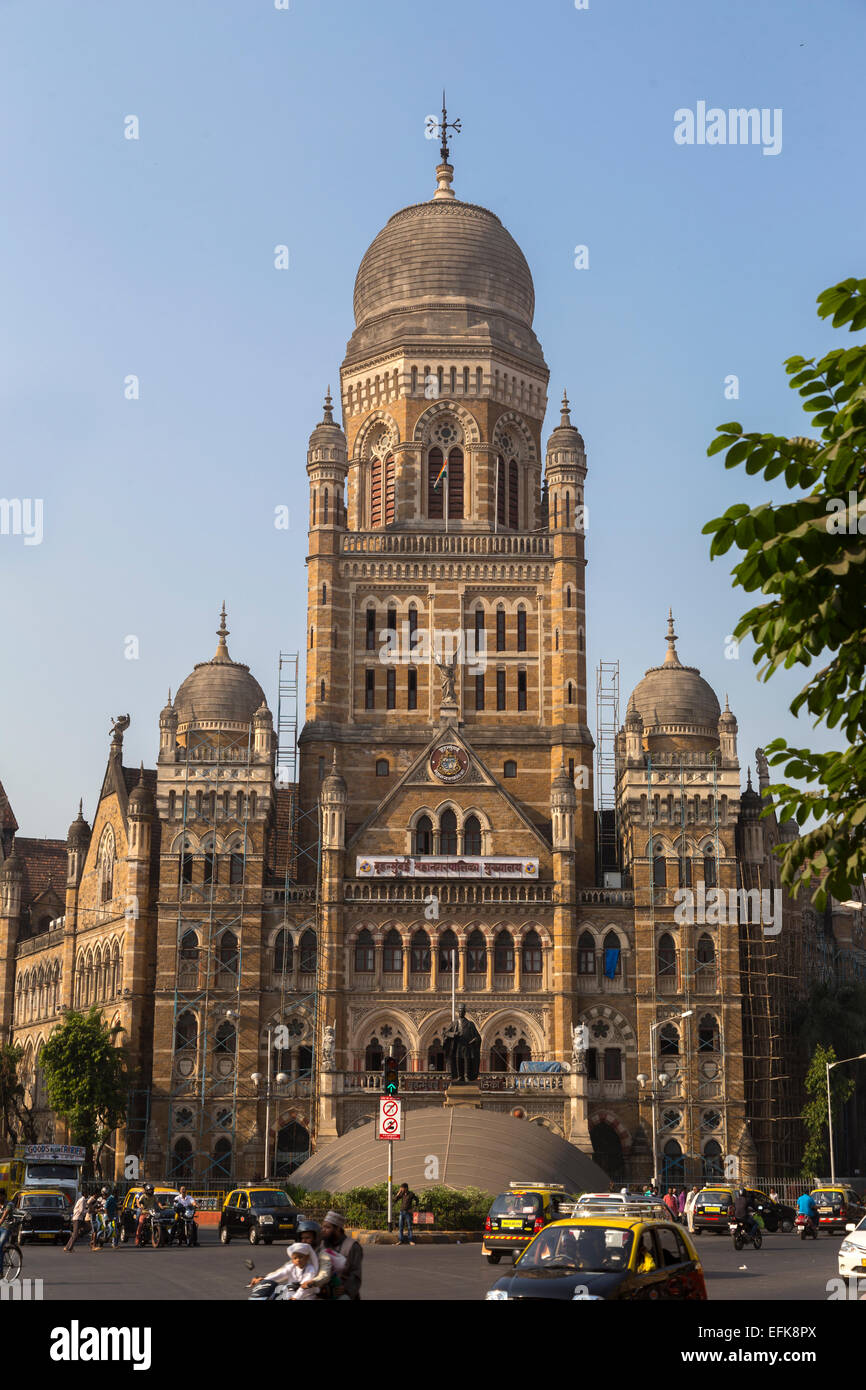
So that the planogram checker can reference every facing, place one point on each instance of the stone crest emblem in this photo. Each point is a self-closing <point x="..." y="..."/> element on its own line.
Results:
<point x="448" y="762"/>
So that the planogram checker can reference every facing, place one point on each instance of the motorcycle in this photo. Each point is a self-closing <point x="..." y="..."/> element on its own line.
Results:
<point x="807" y="1226"/>
<point x="185" y="1229"/>
<point x="741" y="1235"/>
<point x="266" y="1291"/>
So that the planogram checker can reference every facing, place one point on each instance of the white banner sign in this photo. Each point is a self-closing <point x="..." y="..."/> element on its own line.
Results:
<point x="390" y="1118"/>
<point x="445" y="866"/>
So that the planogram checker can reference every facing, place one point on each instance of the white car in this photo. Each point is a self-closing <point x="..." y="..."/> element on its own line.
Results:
<point x="852" y="1251"/>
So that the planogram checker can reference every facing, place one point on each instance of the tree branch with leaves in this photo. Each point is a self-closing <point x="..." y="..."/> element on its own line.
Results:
<point x="86" y="1079"/>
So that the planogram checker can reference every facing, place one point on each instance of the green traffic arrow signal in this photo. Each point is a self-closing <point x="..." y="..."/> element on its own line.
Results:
<point x="391" y="1087"/>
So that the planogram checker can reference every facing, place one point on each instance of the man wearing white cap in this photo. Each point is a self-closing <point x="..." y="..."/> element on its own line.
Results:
<point x="298" y="1273"/>
<point x="335" y="1240"/>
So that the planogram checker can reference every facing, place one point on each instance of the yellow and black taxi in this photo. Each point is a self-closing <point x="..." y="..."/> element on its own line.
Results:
<point x="622" y="1255"/>
<point x="837" y="1205"/>
<point x="42" y="1214"/>
<point x="712" y="1202"/>
<point x="258" y="1214"/>
<point x="162" y="1215"/>
<point x="519" y="1214"/>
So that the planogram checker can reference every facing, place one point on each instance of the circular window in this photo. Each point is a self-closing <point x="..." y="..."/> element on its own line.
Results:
<point x="711" y="1119"/>
<point x="183" y="1118"/>
<point x="671" y="1119"/>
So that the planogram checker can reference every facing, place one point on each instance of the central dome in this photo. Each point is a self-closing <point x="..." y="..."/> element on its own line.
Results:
<point x="220" y="690"/>
<point x="673" y="698"/>
<point x="444" y="270"/>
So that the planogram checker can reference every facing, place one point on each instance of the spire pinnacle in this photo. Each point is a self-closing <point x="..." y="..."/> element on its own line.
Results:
<point x="329" y="411"/>
<point x="444" y="172"/>
<point x="222" y="651"/>
<point x="749" y="778"/>
<point x="566" y="417"/>
<point x="671" y="657"/>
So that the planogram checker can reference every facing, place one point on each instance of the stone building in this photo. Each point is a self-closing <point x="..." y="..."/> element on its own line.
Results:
<point x="261" y="946"/>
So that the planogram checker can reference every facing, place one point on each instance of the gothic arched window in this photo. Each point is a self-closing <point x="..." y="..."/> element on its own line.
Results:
<point x="611" y="943"/>
<point x="447" y="945"/>
<point x="455" y="484"/>
<point x="708" y="1034"/>
<point x="660" y="868"/>
<point x="586" y="954"/>
<point x="392" y="952"/>
<point x="186" y="1033"/>
<point x="365" y="953"/>
<point x="448" y="832"/>
<point x="503" y="954"/>
<point x="375" y="493"/>
<point x="435" y="485"/>
<point x="709" y="869"/>
<point x="373" y="1055"/>
<point x="666" y="955"/>
<point x="424" y="836"/>
<point x="226" y="1038"/>
<point x="513" y="496"/>
<point x="476" y="953"/>
<point x="498" y="1056"/>
<point x="419" y="959"/>
<point x="390" y="491"/>
<point x="283" y="952"/>
<point x="436" y="1056"/>
<point x="472" y="835"/>
<point x="308" y="953"/>
<point x="500" y="490"/>
<point x="532" y="953"/>
<point x="669" y="1041"/>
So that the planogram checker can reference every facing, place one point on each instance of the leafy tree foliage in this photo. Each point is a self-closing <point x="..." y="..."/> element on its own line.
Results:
<point x="808" y="556"/>
<point x="86" y="1078"/>
<point x="834" y="1017"/>
<point x="17" y="1121"/>
<point x="816" y="1160"/>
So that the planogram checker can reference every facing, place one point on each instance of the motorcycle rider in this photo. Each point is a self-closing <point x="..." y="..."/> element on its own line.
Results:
<point x="185" y="1210"/>
<point x="806" y="1206"/>
<point x="6" y="1219"/>
<point x="337" y="1242"/>
<point x="145" y="1203"/>
<point x="743" y="1213"/>
<point x="299" y="1273"/>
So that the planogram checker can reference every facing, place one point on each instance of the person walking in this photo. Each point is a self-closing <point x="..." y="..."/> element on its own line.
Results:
<point x="94" y="1204"/>
<point x="670" y="1202"/>
<point x="78" y="1214"/>
<point x="690" y="1208"/>
<point x="334" y="1238"/>
<point x="407" y="1200"/>
<point x="681" y="1201"/>
<point x="109" y="1213"/>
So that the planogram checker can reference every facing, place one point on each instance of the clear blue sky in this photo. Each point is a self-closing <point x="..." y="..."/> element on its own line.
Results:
<point x="305" y="127"/>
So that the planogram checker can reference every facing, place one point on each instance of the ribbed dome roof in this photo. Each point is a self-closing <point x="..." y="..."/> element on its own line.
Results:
<point x="219" y="690"/>
<point x="444" y="269"/>
<point x="675" y="694"/>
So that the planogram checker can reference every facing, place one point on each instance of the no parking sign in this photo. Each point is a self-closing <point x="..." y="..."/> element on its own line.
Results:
<point x="390" y="1118"/>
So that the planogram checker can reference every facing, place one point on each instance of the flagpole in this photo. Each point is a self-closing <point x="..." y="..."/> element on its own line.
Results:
<point x="446" y="499"/>
<point x="496" y="498"/>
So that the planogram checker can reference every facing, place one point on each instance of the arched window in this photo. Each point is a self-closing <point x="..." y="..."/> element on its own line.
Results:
<point x="532" y="953"/>
<point x="208" y="863"/>
<point x="612" y="956"/>
<point x="522" y="1053"/>
<point x="513" y="496"/>
<point x="382" y="767"/>
<point x="227" y="956"/>
<point x="521" y="629"/>
<point x="325" y="507"/>
<point x="308" y="953"/>
<point x="324" y="593"/>
<point x="568" y="596"/>
<point x="365" y="953"/>
<point x="106" y="866"/>
<point x="424" y="836"/>
<point x="510" y="768"/>
<point x="419" y="957"/>
<point x="186" y="863"/>
<point x="447" y="944"/>
<point x="673" y="1163"/>
<point x="713" y="1164"/>
<point x="503" y="954"/>
<point x="709" y="869"/>
<point x="376" y="493"/>
<point x="476" y="953"/>
<point x="283" y="952"/>
<point x="399" y="1053"/>
<point x="500" y="491"/>
<point x="448" y="833"/>
<point x="226" y="1038"/>
<point x="685" y="872"/>
<point x="181" y="1170"/>
<point x="472" y="835"/>
<point x="321" y="690"/>
<point x="705" y="957"/>
<point x="612" y="1064"/>
<point x="373" y="1055"/>
<point x="222" y="1160"/>
<point x="314" y="507"/>
<point x="186" y="1033"/>
<point x="236" y="867"/>
<point x="708" y="1034"/>
<point x="390" y="491"/>
<point x="586" y="954"/>
<point x="498" y="1056"/>
<point x="293" y="1147"/>
<point x="455" y="484"/>
<point x="666" y="956"/>
<point x="660" y="868"/>
<point x="189" y="947"/>
<point x="392" y="952"/>
<point x="435" y="485"/>
<point x="436" y="1056"/>
<point x="570" y="693"/>
<point x="669" y="1041"/>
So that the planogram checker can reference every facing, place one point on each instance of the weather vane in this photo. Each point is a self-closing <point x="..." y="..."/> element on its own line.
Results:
<point x="442" y="128"/>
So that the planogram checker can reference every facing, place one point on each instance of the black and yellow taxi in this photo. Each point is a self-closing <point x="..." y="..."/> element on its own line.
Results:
<point x="619" y="1255"/>
<point x="42" y="1214"/>
<point x="519" y="1214"/>
<point x="162" y="1217"/>
<point x="713" y="1201"/>
<point x="838" y="1204"/>
<point x="258" y="1214"/>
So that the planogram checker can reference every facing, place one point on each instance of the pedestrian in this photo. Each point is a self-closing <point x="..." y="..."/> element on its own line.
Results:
<point x="774" y="1196"/>
<point x="407" y="1200"/>
<point x="335" y="1239"/>
<point x="671" y="1204"/>
<point x="690" y="1208"/>
<point x="681" y="1202"/>
<point x="78" y="1214"/>
<point x="93" y="1205"/>
<point x="109" y="1211"/>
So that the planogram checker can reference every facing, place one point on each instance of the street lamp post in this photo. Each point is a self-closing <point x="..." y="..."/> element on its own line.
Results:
<point x="842" y="1060"/>
<point x="256" y="1078"/>
<point x="662" y="1080"/>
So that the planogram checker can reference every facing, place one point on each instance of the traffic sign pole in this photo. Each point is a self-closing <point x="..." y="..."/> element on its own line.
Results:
<point x="390" y="1169"/>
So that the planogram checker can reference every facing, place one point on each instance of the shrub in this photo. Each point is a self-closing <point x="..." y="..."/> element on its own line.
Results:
<point x="463" y="1209"/>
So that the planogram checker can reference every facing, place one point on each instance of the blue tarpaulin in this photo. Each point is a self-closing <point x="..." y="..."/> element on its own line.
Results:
<point x="541" y="1066"/>
<point x="611" y="961"/>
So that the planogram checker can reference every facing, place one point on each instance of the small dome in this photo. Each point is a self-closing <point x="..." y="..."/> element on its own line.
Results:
<point x="334" y="785"/>
<point x="726" y="718"/>
<point x="141" y="801"/>
<point x="219" y="690"/>
<point x="566" y="435"/>
<point x="448" y="271"/>
<point x="79" y="831"/>
<point x="327" y="434"/>
<point x="11" y="866"/>
<point x="676" y="695"/>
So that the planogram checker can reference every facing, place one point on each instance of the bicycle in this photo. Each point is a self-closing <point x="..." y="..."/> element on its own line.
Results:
<point x="13" y="1260"/>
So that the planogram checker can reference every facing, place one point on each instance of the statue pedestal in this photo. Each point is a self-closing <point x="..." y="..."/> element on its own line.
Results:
<point x="469" y="1094"/>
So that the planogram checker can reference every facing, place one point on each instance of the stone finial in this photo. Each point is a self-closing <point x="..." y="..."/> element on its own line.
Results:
<point x="671" y="658"/>
<point x="328" y="418"/>
<point x="222" y="651"/>
<point x="565" y="418"/>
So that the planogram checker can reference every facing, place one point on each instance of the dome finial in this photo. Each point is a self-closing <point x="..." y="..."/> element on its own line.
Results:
<point x="749" y="778"/>
<point x="671" y="658"/>
<point x="329" y="412"/>
<point x="566" y="417"/>
<point x="222" y="651"/>
<point x="444" y="171"/>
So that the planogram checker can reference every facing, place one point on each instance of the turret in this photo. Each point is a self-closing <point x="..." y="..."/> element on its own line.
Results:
<point x="140" y="812"/>
<point x="167" y="727"/>
<point x="77" y="843"/>
<point x="563" y="803"/>
<point x="334" y="797"/>
<point x="727" y="734"/>
<point x="11" y="880"/>
<point x="633" y="732"/>
<point x="565" y="473"/>
<point x="327" y="466"/>
<point x="263" y="732"/>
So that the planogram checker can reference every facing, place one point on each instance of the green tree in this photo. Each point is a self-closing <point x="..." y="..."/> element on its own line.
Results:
<point x="17" y="1120"/>
<point x="86" y="1079"/>
<point x="808" y="554"/>
<point x="835" y="1017"/>
<point x="816" y="1154"/>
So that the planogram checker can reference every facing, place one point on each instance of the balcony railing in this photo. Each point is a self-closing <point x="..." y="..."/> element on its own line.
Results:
<point x="410" y="543"/>
<point x="607" y="897"/>
<point x="450" y="895"/>
<point x="667" y="984"/>
<point x="427" y="1081"/>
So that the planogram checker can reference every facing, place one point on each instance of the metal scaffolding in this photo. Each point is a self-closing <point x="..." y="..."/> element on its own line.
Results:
<point x="607" y="727"/>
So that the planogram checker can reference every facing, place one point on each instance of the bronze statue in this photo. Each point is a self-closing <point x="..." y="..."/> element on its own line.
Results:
<point x="448" y="675"/>
<point x="462" y="1047"/>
